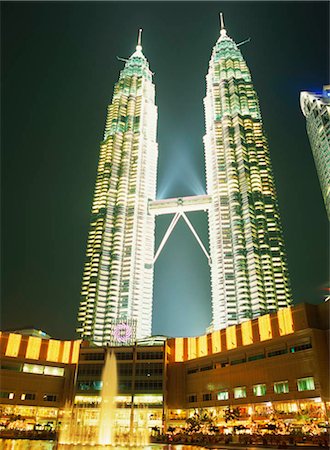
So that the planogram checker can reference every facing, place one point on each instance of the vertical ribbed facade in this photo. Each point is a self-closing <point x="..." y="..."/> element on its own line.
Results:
<point x="249" y="271"/>
<point x="118" y="273"/>
<point x="316" y="109"/>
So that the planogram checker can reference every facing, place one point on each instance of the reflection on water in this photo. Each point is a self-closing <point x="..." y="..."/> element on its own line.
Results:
<point x="24" y="444"/>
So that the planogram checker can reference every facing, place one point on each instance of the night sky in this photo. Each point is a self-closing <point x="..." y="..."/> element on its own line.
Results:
<point x="59" y="67"/>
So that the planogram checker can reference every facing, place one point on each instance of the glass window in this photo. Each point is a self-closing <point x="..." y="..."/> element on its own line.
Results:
<point x="207" y="397"/>
<point x="238" y="361"/>
<point x="150" y="355"/>
<point x="281" y="387"/>
<point x="124" y="355"/>
<point x="259" y="390"/>
<point x="299" y="348"/>
<point x="282" y="351"/>
<point x="223" y="395"/>
<point x="306" y="384"/>
<point x="33" y="368"/>
<point x="240" y="392"/>
<point x="55" y="371"/>
<point x="28" y="396"/>
<point x="9" y="395"/>
<point x="256" y="357"/>
<point x="49" y="398"/>
<point x="204" y="368"/>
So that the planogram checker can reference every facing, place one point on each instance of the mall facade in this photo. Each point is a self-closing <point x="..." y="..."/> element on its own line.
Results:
<point x="276" y="365"/>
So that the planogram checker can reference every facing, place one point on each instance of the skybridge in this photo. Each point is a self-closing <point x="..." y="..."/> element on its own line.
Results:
<point x="179" y="207"/>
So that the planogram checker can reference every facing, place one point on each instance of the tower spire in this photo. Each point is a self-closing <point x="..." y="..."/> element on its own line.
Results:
<point x="222" y="25"/>
<point x="139" y="42"/>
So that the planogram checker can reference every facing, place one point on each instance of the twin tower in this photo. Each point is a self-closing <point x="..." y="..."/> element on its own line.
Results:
<point x="249" y="273"/>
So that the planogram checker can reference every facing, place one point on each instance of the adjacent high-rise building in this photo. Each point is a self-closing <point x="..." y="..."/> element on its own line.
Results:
<point x="249" y="272"/>
<point x="116" y="297"/>
<point x="316" y="109"/>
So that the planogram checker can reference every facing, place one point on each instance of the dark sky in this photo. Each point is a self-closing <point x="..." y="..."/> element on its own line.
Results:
<point x="58" y="70"/>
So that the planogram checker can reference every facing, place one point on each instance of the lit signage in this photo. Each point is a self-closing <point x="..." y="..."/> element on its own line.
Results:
<point x="122" y="332"/>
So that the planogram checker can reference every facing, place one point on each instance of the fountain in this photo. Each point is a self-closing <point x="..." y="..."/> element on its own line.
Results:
<point x="86" y="426"/>
<point x="108" y="406"/>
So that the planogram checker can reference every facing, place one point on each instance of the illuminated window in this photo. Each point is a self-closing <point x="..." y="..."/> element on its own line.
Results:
<point x="281" y="387"/>
<point x="202" y="345"/>
<point x="53" y="350"/>
<point x="13" y="344"/>
<point x="66" y="352"/>
<point x="33" y="368"/>
<point x="247" y="337"/>
<point x="75" y="352"/>
<point x="265" y="330"/>
<point x="240" y="392"/>
<point x="306" y="384"/>
<point x="33" y="348"/>
<point x="8" y="395"/>
<point x="49" y="398"/>
<point x="285" y="321"/>
<point x="259" y="390"/>
<point x="192" y="351"/>
<point x="216" y="341"/>
<point x="231" y="337"/>
<point x="28" y="396"/>
<point x="223" y="395"/>
<point x="178" y="349"/>
<point x="54" y="371"/>
<point x="150" y="399"/>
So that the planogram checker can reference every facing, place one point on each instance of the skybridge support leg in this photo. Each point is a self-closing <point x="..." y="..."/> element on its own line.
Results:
<point x="192" y="229"/>
<point x="167" y="234"/>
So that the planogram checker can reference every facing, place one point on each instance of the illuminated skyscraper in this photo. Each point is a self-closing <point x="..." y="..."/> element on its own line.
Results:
<point x="118" y="272"/>
<point x="316" y="109"/>
<point x="249" y="271"/>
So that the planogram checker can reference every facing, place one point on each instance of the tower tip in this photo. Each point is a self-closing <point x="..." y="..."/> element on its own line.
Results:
<point x="139" y="42"/>
<point x="222" y="25"/>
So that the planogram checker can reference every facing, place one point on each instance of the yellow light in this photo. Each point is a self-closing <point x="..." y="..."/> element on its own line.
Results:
<point x="192" y="350"/>
<point x="285" y="322"/>
<point x="178" y="349"/>
<point x="231" y="337"/>
<point x="265" y="329"/>
<point x="202" y="345"/>
<point x="87" y="399"/>
<point x="294" y="407"/>
<point x="247" y="337"/>
<point x="53" y="351"/>
<point x="216" y="341"/>
<point x="33" y="348"/>
<point x="66" y="352"/>
<point x="75" y="352"/>
<point x="13" y="344"/>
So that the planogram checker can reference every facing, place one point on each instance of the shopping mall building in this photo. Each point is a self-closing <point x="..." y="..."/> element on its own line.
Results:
<point x="276" y="365"/>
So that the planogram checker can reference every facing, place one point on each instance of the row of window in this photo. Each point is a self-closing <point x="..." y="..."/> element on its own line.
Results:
<point x="123" y="385"/>
<point x="122" y="356"/>
<point x="37" y="369"/>
<point x="28" y="396"/>
<point x="279" y="387"/>
<point x="283" y="351"/>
